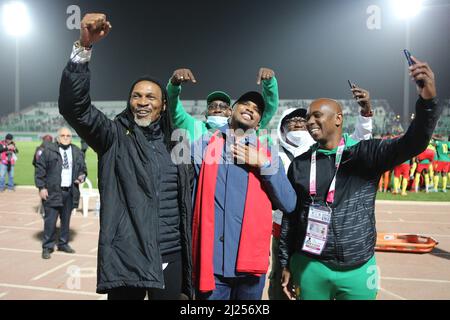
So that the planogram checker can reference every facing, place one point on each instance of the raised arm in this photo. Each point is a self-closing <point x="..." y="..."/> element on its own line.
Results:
<point x="270" y="94"/>
<point x="386" y="154"/>
<point x="180" y="118"/>
<point x="74" y="98"/>
<point x="363" y="127"/>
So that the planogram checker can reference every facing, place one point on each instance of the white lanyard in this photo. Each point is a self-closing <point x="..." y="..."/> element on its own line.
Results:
<point x="312" y="177"/>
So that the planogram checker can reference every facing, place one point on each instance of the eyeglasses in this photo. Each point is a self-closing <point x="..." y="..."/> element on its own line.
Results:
<point x="220" y="106"/>
<point x="294" y="120"/>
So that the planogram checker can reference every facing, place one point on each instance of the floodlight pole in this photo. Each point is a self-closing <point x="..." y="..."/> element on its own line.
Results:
<point x="406" y="84"/>
<point x="17" y="86"/>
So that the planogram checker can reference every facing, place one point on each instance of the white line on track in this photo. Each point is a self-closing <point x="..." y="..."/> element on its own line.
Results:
<point x="413" y="203"/>
<point x="77" y="216"/>
<point x="52" y="270"/>
<point x="40" y="229"/>
<point x="84" y="293"/>
<point x="76" y="255"/>
<point x="416" y="222"/>
<point x="31" y="223"/>
<point x="396" y="211"/>
<point x="416" y="280"/>
<point x="86" y="224"/>
<point x="392" y="294"/>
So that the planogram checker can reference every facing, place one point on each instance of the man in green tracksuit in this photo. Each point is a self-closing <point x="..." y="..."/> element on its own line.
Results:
<point x="218" y="103"/>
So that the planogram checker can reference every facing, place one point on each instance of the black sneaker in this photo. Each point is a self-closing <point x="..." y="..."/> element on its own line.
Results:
<point x="46" y="253"/>
<point x="66" y="249"/>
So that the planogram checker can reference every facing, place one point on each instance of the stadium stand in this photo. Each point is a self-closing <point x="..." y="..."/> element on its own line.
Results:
<point x="44" y="117"/>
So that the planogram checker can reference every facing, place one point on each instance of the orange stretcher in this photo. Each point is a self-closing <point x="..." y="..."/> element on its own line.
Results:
<point x="402" y="242"/>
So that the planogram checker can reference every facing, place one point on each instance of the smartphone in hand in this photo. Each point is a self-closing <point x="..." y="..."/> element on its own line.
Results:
<point x="420" y="83"/>
<point x="350" y="84"/>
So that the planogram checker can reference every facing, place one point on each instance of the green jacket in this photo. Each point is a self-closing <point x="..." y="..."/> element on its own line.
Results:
<point x="196" y="128"/>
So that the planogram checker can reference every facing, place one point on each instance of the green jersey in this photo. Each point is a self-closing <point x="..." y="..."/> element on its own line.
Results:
<point x="442" y="150"/>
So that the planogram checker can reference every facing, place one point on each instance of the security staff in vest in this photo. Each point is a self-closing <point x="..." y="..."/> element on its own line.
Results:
<point x="58" y="172"/>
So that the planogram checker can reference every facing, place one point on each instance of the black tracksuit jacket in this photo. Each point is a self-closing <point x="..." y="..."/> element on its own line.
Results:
<point x="352" y="233"/>
<point x="47" y="174"/>
<point x="128" y="174"/>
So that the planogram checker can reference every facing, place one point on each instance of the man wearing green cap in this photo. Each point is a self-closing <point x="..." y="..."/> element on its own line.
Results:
<point x="218" y="103"/>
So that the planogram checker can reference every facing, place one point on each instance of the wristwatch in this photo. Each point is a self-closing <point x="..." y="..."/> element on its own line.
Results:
<point x="367" y="114"/>
<point x="79" y="46"/>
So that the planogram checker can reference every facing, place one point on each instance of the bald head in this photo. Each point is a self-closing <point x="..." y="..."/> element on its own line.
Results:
<point x="328" y="104"/>
<point x="324" y="121"/>
<point x="64" y="136"/>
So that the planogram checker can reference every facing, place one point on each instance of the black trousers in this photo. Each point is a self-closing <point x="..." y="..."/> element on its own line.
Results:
<point x="50" y="218"/>
<point x="172" y="290"/>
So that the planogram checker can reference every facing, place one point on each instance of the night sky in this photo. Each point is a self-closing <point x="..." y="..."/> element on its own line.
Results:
<point x="313" y="46"/>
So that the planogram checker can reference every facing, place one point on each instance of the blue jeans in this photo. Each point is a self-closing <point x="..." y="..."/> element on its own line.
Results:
<point x="3" y="171"/>
<point x="239" y="288"/>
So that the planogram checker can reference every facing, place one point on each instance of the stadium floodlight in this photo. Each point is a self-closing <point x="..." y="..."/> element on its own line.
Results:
<point x="16" y="22"/>
<point x="406" y="9"/>
<point x="16" y="19"/>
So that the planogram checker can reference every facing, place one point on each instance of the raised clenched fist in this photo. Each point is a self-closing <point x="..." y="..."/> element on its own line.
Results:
<point x="94" y="27"/>
<point x="181" y="76"/>
<point x="264" y="74"/>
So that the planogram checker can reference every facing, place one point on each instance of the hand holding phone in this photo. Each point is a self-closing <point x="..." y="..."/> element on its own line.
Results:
<point x="362" y="96"/>
<point x="420" y="83"/>
<point x="350" y="84"/>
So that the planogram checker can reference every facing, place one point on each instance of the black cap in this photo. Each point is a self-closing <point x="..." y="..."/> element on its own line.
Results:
<point x="254" y="97"/>
<point x="300" y="112"/>
<point x="9" y="136"/>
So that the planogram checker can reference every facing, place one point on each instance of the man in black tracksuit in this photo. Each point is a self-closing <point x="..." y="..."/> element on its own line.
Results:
<point x="327" y="245"/>
<point x="145" y="216"/>
<point x="59" y="170"/>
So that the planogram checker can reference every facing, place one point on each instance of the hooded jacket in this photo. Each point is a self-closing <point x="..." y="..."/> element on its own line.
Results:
<point x="128" y="250"/>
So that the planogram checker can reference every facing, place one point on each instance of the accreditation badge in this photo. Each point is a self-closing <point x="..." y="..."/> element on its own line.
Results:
<point x="319" y="218"/>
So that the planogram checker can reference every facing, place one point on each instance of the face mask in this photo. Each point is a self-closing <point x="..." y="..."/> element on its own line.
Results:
<point x="300" y="138"/>
<point x="216" y="122"/>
